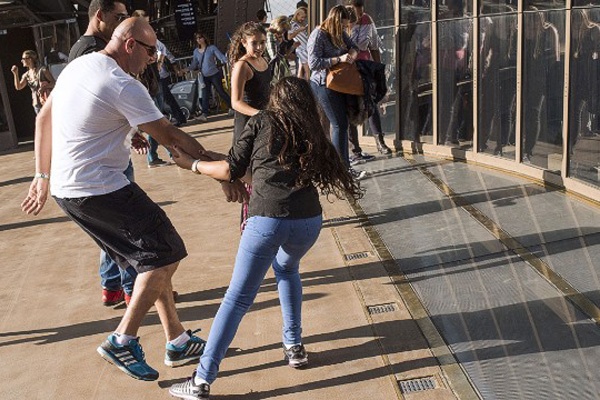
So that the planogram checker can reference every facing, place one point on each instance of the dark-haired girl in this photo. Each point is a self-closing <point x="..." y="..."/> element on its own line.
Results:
<point x="290" y="160"/>
<point x="250" y="75"/>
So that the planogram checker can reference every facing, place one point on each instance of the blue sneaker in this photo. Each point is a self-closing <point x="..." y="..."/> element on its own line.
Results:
<point x="128" y="358"/>
<point x="192" y="350"/>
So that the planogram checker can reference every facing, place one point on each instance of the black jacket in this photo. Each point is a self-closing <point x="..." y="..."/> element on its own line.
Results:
<point x="373" y="76"/>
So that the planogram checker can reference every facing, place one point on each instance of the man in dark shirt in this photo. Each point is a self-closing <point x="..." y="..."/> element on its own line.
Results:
<point x="104" y="16"/>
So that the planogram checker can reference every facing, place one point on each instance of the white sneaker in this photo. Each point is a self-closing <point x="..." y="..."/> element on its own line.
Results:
<point x="357" y="175"/>
<point x="202" y="118"/>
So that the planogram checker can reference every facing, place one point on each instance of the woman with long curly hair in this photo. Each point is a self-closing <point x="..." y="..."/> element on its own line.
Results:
<point x="329" y="45"/>
<point x="289" y="160"/>
<point x="250" y="74"/>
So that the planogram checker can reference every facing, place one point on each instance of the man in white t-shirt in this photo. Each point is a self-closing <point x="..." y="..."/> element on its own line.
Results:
<point x="83" y="129"/>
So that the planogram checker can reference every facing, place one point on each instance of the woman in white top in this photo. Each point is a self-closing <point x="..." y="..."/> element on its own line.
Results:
<point x="300" y="25"/>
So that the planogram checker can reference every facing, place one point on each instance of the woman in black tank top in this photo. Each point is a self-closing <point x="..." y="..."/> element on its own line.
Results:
<point x="251" y="77"/>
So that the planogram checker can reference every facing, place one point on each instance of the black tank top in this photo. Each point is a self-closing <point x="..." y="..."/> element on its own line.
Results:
<point x="256" y="90"/>
<point x="256" y="95"/>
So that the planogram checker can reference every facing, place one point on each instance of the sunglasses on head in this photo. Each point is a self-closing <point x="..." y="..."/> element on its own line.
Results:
<point x="151" y="50"/>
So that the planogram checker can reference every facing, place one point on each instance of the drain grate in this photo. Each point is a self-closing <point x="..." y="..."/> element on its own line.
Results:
<point x="357" y="256"/>
<point x="380" y="309"/>
<point x="418" y="385"/>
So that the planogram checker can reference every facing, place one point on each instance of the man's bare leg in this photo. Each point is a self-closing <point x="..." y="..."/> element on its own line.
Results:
<point x="153" y="288"/>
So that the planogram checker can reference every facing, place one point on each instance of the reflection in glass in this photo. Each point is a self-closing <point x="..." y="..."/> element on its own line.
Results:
<point x="415" y="82"/>
<point x="584" y="101"/>
<point x="415" y="74"/>
<point x="388" y="57"/>
<point x="497" y="83"/>
<point x="543" y="39"/>
<point x="455" y="85"/>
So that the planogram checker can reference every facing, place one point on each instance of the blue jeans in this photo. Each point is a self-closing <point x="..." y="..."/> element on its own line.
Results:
<point x="153" y="150"/>
<point x="265" y="242"/>
<point x="334" y="106"/>
<point x="165" y="96"/>
<point x="112" y="277"/>
<point x="215" y="80"/>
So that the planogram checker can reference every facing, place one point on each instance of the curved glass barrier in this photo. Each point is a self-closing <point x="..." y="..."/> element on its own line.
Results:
<point x="584" y="96"/>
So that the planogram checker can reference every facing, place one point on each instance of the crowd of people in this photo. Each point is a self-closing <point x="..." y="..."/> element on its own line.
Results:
<point x="278" y="165"/>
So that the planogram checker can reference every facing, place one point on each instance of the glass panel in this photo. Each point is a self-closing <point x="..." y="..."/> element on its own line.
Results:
<point x="388" y="57"/>
<point x="497" y="84"/>
<point x="449" y="9"/>
<point x="584" y="99"/>
<point x="543" y="65"/>
<point x="455" y="84"/>
<point x="415" y="74"/>
<point x="415" y="81"/>
<point x="544" y="4"/>
<point x="499" y="6"/>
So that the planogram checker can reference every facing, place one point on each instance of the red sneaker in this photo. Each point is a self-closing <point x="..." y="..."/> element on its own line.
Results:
<point x="112" y="297"/>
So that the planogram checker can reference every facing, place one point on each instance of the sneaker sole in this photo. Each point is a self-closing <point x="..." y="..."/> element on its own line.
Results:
<point x="109" y="358"/>
<point x="183" y="361"/>
<point x="185" y="396"/>
<point x="298" y="364"/>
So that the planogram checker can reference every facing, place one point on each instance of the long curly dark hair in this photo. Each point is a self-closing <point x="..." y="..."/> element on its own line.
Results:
<point x="297" y="133"/>
<point x="236" y="49"/>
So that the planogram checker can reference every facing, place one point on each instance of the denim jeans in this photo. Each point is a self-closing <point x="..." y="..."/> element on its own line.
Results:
<point x="215" y="80"/>
<point x="153" y="150"/>
<point x="165" y="96"/>
<point x="265" y="242"/>
<point x="111" y="276"/>
<point x="334" y="106"/>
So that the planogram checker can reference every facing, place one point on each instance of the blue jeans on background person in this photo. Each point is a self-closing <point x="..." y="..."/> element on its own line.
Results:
<point x="265" y="242"/>
<point x="112" y="277"/>
<point x="215" y="80"/>
<point x="334" y="105"/>
<point x="165" y="96"/>
<point x="153" y="150"/>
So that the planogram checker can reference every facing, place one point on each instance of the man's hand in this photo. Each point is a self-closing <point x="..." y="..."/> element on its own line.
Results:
<point x="37" y="196"/>
<point x="235" y="192"/>
<point x="139" y="143"/>
<point x="181" y="158"/>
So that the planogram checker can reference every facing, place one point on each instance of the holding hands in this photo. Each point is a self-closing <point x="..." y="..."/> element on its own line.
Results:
<point x="212" y="164"/>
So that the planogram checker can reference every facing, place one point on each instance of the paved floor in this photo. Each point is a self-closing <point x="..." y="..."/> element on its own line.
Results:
<point x="455" y="279"/>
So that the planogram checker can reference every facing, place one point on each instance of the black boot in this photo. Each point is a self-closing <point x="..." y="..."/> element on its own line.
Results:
<point x="381" y="146"/>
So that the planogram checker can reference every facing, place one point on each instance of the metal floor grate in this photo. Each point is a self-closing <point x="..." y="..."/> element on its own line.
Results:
<point x="357" y="256"/>
<point x="382" y="308"/>
<point x="418" y="385"/>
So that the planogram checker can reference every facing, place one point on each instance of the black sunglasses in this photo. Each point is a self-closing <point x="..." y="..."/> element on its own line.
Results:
<point x="151" y="50"/>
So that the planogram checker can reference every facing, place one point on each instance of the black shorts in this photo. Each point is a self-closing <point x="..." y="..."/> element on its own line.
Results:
<point x="132" y="229"/>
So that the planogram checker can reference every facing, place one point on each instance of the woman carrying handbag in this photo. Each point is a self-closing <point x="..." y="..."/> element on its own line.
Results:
<point x="329" y="45"/>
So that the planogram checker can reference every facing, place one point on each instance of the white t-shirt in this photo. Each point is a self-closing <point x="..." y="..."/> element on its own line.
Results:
<point x="94" y="105"/>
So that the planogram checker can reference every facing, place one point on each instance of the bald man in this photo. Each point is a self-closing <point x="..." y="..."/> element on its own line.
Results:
<point x="83" y="129"/>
